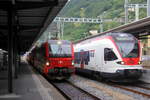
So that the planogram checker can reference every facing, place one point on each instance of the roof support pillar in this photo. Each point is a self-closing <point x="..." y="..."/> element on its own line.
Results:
<point x="10" y="51"/>
<point x="19" y="52"/>
<point x="15" y="56"/>
<point x="11" y="20"/>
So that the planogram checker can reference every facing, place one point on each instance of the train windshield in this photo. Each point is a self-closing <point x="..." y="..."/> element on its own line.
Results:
<point x="63" y="50"/>
<point x="127" y="44"/>
<point x="128" y="49"/>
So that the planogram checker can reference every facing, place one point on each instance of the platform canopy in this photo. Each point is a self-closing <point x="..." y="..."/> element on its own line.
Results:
<point x="139" y="29"/>
<point x="29" y="19"/>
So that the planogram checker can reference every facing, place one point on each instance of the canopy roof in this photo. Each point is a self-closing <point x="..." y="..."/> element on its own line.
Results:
<point x="31" y="18"/>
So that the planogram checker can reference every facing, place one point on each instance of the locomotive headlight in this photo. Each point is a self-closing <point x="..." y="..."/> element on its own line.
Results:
<point x="72" y="62"/>
<point x="47" y="63"/>
<point x="120" y="62"/>
<point x="59" y="42"/>
<point x="140" y="62"/>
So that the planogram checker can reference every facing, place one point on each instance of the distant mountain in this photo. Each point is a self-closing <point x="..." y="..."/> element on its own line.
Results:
<point x="91" y="8"/>
<point x="109" y="9"/>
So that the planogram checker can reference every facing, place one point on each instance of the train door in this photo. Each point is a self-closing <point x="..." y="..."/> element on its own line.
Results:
<point x="82" y="59"/>
<point x="43" y="57"/>
<point x="98" y="59"/>
<point x="109" y="57"/>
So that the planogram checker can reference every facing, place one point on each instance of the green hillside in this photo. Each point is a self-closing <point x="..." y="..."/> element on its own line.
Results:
<point x="110" y="9"/>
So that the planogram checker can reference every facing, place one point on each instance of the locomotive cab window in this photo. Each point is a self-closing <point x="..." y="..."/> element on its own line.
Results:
<point x="60" y="50"/>
<point x="109" y="55"/>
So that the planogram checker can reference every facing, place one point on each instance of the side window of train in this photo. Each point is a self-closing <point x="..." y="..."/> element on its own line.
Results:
<point x="38" y="53"/>
<point x="109" y="55"/>
<point x="92" y="53"/>
<point x="43" y="51"/>
<point x="86" y="57"/>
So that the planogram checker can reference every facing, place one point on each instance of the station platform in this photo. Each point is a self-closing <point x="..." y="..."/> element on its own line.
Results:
<point x="28" y="86"/>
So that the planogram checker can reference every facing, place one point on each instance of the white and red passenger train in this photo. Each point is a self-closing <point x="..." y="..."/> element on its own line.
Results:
<point x="54" y="58"/>
<point x="114" y="56"/>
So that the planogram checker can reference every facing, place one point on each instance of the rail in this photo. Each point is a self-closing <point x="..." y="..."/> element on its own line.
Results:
<point x="73" y="92"/>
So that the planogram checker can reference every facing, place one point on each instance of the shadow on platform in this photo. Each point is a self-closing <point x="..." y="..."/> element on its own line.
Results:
<point x="24" y="87"/>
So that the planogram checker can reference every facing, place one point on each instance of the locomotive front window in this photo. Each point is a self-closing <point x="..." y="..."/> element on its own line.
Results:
<point x="109" y="55"/>
<point x="129" y="49"/>
<point x="63" y="50"/>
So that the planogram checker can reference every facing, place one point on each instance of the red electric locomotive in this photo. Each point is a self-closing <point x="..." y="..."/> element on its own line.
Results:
<point x="54" y="58"/>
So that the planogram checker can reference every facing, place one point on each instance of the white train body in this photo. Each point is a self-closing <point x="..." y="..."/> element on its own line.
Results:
<point x="114" y="55"/>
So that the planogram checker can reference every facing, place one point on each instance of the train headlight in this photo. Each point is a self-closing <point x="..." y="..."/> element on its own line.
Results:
<point x="72" y="62"/>
<point x="140" y="62"/>
<point x="120" y="62"/>
<point x="47" y="63"/>
<point x="59" y="42"/>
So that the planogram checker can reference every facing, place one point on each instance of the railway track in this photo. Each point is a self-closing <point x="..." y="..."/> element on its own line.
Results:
<point x="143" y="87"/>
<point x="72" y="92"/>
<point x="132" y="90"/>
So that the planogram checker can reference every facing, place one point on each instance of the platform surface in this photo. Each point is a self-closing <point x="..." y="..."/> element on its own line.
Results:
<point x="28" y="86"/>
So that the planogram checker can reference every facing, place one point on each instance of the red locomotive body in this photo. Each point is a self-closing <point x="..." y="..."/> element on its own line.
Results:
<point x="54" y="58"/>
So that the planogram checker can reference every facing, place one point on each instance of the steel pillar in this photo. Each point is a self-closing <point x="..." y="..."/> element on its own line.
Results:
<point x="19" y="58"/>
<point x="62" y="30"/>
<point x="10" y="50"/>
<point x="126" y="11"/>
<point x="59" y="29"/>
<point x="11" y="23"/>
<point x="136" y="12"/>
<point x="148" y="7"/>
<point x="15" y="58"/>
<point x="101" y="24"/>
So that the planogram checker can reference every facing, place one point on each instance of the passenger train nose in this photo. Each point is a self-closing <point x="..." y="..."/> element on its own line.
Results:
<point x="110" y="55"/>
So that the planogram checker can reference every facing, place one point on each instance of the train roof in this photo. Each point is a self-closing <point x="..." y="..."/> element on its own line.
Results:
<point x="113" y="34"/>
<point x="118" y="34"/>
<point x="62" y="41"/>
